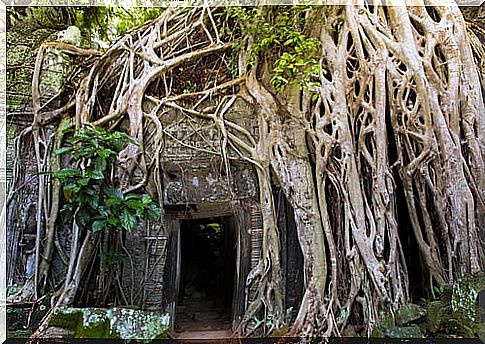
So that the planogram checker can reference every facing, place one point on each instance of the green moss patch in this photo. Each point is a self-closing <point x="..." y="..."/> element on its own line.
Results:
<point x="67" y="318"/>
<point x="409" y="313"/>
<point x="112" y="323"/>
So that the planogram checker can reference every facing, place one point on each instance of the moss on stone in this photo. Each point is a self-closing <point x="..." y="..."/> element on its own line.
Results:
<point x="409" y="313"/>
<point x="412" y="331"/>
<point x="434" y="314"/>
<point x="94" y="324"/>
<point x="67" y="318"/>
<point x="464" y="302"/>
<point x="378" y="333"/>
<point x="117" y="323"/>
<point x="386" y="320"/>
<point x="132" y="324"/>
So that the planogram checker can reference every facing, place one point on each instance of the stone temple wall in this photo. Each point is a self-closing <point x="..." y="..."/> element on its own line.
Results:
<point x="194" y="177"/>
<point x="196" y="183"/>
<point x="194" y="171"/>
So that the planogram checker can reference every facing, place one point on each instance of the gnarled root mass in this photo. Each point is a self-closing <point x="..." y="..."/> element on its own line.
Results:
<point x="398" y="101"/>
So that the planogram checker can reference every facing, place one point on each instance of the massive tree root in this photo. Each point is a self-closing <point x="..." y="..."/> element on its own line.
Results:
<point x="397" y="101"/>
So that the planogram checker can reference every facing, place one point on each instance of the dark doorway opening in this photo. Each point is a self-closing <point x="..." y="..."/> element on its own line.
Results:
<point x="208" y="263"/>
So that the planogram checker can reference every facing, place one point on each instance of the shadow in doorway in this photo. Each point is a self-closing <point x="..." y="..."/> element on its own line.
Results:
<point x="208" y="258"/>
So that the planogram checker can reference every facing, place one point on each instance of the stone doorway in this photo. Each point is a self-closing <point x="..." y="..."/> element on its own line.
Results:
<point x="207" y="274"/>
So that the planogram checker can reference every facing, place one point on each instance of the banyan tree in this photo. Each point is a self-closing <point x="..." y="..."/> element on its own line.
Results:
<point x="364" y="122"/>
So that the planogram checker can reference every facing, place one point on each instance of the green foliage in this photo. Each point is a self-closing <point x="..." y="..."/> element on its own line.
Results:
<point x="127" y="18"/>
<point x="262" y="324"/>
<point x="89" y="196"/>
<point x="190" y="87"/>
<point x="279" y="35"/>
<point x="106" y="24"/>
<point x="113" y="257"/>
<point x="453" y="312"/>
<point x="212" y="231"/>
<point x="464" y="300"/>
<point x="57" y="17"/>
<point x="409" y="313"/>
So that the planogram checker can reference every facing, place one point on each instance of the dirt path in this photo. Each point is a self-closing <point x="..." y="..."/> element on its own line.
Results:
<point x="220" y="337"/>
<point x="202" y="315"/>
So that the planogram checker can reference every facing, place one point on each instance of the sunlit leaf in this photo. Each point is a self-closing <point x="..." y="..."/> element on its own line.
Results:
<point x="98" y="226"/>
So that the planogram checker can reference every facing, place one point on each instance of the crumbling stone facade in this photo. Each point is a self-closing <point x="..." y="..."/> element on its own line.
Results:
<point x="197" y="184"/>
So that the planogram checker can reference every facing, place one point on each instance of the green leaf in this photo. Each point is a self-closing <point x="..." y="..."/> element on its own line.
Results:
<point x="95" y="174"/>
<point x="113" y="221"/>
<point x="66" y="173"/>
<point x="93" y="201"/>
<point x="71" y="187"/>
<point x="112" y="192"/>
<point x="113" y="201"/>
<point x="127" y="220"/>
<point x="100" y="164"/>
<point x="153" y="212"/>
<point x="132" y="196"/>
<point x="98" y="226"/>
<point x="62" y="150"/>
<point x="91" y="191"/>
<point x="103" y="211"/>
<point x="288" y="42"/>
<point x="134" y="204"/>
<point x="68" y="130"/>
<point x="83" y="218"/>
<point x="106" y="152"/>
<point x="83" y="181"/>
<point x="146" y="199"/>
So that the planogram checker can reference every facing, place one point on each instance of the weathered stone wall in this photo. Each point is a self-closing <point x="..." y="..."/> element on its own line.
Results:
<point x="197" y="181"/>
<point x="195" y="178"/>
<point x="188" y="138"/>
<point x="194" y="171"/>
<point x="133" y="265"/>
<point x="21" y="222"/>
<point x="155" y="258"/>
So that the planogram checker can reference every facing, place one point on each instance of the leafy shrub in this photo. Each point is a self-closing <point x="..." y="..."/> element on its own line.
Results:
<point x="280" y="36"/>
<point x="89" y="194"/>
